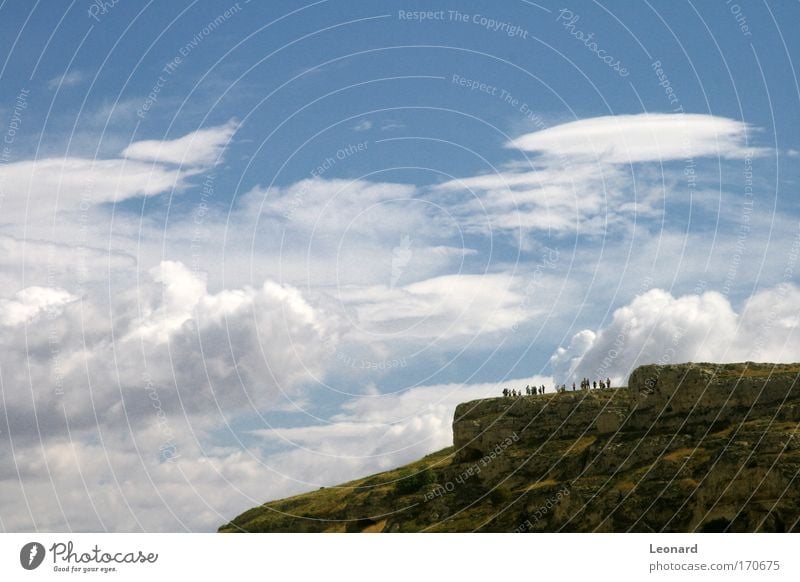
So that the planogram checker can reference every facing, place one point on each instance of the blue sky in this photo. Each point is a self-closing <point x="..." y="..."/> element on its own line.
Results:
<point x="250" y="249"/>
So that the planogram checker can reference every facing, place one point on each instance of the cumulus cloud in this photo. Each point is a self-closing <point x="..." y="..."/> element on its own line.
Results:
<point x="30" y="302"/>
<point x="112" y="480"/>
<point x="111" y="398"/>
<point x="142" y="358"/>
<point x="124" y="475"/>
<point x="203" y="147"/>
<point x="211" y="356"/>
<point x="657" y="327"/>
<point x="644" y="137"/>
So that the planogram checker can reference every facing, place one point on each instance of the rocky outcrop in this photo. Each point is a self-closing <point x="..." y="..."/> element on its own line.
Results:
<point x="690" y="447"/>
<point x="687" y="398"/>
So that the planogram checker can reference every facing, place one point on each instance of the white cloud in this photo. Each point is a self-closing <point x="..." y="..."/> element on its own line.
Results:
<point x="69" y="79"/>
<point x="209" y="356"/>
<point x="644" y="137"/>
<point x="549" y="196"/>
<point x="444" y="307"/>
<point x="30" y="302"/>
<point x="126" y="484"/>
<point x="203" y="147"/>
<point x="339" y="206"/>
<point x="229" y="351"/>
<point x="37" y="191"/>
<point x="375" y="433"/>
<point x="333" y="232"/>
<point x="140" y="364"/>
<point x="41" y="255"/>
<point x="659" y="328"/>
<point x="363" y="125"/>
<point x="218" y="351"/>
<point x="51" y="186"/>
<point x="583" y="179"/>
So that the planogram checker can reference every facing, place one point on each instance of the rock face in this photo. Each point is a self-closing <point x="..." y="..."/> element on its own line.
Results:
<point x="690" y="447"/>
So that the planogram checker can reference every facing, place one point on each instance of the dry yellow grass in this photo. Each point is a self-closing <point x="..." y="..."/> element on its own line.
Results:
<point x="542" y="484"/>
<point x="680" y="454"/>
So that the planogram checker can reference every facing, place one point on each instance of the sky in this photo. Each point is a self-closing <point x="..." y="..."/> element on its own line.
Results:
<point x="251" y="249"/>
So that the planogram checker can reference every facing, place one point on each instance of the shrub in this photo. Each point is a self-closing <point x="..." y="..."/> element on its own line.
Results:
<point x="413" y="482"/>
<point x="500" y="495"/>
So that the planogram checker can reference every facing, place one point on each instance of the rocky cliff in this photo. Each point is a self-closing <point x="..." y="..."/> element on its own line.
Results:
<point x="690" y="447"/>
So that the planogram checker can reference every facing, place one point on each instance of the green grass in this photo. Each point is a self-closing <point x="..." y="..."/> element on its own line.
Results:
<point x="329" y="505"/>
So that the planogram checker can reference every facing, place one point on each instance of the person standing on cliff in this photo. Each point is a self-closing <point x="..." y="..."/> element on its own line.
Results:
<point x="608" y="382"/>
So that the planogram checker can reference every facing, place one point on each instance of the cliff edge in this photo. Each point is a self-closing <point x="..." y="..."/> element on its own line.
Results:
<point x="683" y="448"/>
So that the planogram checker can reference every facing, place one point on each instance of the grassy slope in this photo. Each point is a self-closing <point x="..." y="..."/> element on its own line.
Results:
<point x="748" y="462"/>
<point x="329" y="505"/>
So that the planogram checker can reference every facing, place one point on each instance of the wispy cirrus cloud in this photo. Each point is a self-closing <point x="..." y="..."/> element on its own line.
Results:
<point x="48" y="187"/>
<point x="69" y="79"/>
<point x="643" y="137"/>
<point x="597" y="175"/>
<point x="363" y="125"/>
<point x="203" y="147"/>
<point x="441" y="307"/>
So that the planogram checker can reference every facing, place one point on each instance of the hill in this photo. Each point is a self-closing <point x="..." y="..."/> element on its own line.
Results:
<point x="683" y="448"/>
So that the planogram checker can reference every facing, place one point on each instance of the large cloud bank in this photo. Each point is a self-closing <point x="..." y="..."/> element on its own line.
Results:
<point x="657" y="327"/>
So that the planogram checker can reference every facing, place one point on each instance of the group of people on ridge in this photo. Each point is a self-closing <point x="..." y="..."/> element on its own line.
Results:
<point x="529" y="391"/>
<point x="586" y="384"/>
